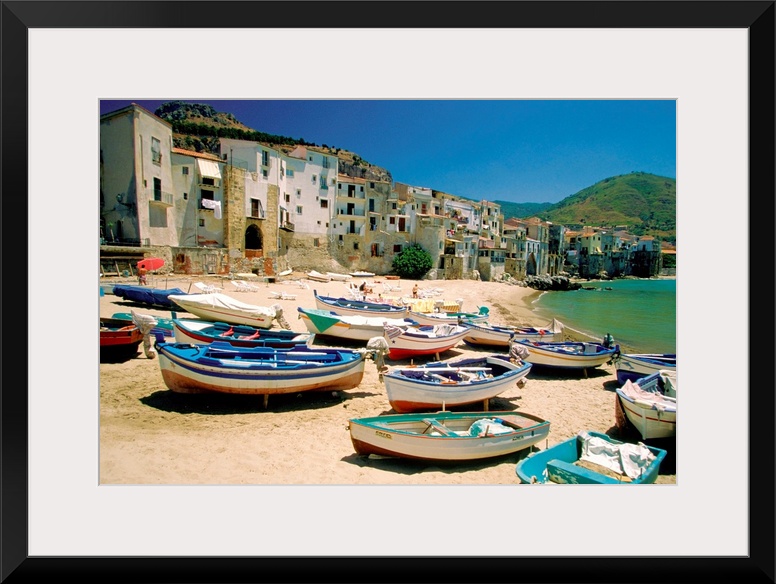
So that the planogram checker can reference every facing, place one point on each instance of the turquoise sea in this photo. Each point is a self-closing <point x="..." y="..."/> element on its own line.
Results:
<point x="639" y="314"/>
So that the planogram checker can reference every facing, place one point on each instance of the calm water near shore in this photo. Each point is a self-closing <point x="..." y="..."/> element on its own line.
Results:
<point x="639" y="314"/>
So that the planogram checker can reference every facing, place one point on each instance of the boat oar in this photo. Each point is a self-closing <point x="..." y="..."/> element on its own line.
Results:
<point x="507" y="423"/>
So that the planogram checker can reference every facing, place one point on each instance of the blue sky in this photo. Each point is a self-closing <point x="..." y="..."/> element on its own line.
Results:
<point x="538" y="151"/>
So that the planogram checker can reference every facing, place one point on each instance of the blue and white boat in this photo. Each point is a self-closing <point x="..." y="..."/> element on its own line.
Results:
<point x="633" y="366"/>
<point x="445" y="384"/>
<point x="566" y="355"/>
<point x="351" y="307"/>
<point x="223" y="368"/>
<point x="649" y="404"/>
<point x="202" y="332"/>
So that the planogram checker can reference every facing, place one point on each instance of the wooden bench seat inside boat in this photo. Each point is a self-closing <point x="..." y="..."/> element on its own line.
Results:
<point x="560" y="471"/>
<point x="432" y="423"/>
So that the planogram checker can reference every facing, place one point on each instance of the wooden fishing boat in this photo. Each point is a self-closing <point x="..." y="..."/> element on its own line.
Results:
<point x="633" y="366"/>
<point x="318" y="276"/>
<point x="349" y="306"/>
<point x="454" y="383"/>
<point x="447" y="436"/>
<point x="217" y="307"/>
<point x="346" y="326"/>
<point x="649" y="404"/>
<point x="592" y="458"/>
<point x="153" y="297"/>
<point x="413" y="341"/>
<point x="119" y="340"/>
<point x="431" y="318"/>
<point x="223" y="368"/>
<point x="202" y="332"/>
<point x="568" y="354"/>
<point x="484" y="334"/>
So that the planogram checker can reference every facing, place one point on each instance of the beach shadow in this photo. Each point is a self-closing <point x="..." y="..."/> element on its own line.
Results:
<point x="117" y="358"/>
<point x="410" y="467"/>
<point x="219" y="404"/>
<point x="611" y="385"/>
<point x="555" y="374"/>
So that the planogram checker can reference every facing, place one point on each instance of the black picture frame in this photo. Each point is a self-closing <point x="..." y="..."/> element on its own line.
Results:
<point x="19" y="16"/>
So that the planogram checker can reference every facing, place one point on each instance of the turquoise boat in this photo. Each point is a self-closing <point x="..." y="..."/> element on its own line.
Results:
<point x="591" y="458"/>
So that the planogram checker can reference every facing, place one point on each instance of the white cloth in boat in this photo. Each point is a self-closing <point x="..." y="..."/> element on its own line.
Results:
<point x="650" y="398"/>
<point x="628" y="459"/>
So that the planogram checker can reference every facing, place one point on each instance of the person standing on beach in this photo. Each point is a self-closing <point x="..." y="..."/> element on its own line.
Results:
<point x="141" y="276"/>
<point x="415" y="291"/>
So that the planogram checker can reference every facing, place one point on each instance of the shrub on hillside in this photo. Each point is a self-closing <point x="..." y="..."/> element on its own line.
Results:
<point x="412" y="262"/>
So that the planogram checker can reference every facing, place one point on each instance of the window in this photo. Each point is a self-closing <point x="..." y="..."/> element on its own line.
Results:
<point x="397" y="248"/>
<point x="315" y="178"/>
<point x="185" y="170"/>
<point x="157" y="189"/>
<point x="201" y="222"/>
<point x="393" y="206"/>
<point x="289" y="172"/>
<point x="371" y="185"/>
<point x="287" y="197"/>
<point x="264" y="172"/>
<point x="324" y="203"/>
<point x="316" y="241"/>
<point x="298" y="193"/>
<point x="392" y="220"/>
<point x="256" y="209"/>
<point x="185" y="196"/>
<point x="156" y="151"/>
<point x="355" y="245"/>
<point x="205" y="195"/>
<point x="208" y="181"/>
<point x="334" y="180"/>
<point x="264" y="158"/>
<point x="299" y="209"/>
<point x="361" y="189"/>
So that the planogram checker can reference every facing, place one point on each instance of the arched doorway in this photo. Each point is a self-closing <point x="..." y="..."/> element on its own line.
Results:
<point x="530" y="267"/>
<point x="253" y="239"/>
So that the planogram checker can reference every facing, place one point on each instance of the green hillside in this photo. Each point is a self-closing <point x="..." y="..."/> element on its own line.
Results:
<point x="644" y="203"/>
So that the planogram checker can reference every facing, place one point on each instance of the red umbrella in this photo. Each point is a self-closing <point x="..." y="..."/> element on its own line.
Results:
<point x="150" y="263"/>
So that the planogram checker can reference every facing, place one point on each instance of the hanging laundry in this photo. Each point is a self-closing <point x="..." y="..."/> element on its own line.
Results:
<point x="215" y="205"/>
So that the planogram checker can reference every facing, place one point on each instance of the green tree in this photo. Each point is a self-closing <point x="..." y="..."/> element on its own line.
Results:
<point x="412" y="262"/>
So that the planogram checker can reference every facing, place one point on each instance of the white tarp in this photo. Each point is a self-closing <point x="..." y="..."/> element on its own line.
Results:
<point x="217" y="300"/>
<point x="627" y="459"/>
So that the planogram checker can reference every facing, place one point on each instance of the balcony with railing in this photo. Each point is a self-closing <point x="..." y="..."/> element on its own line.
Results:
<point x="286" y="225"/>
<point x="160" y="198"/>
<point x="351" y="213"/>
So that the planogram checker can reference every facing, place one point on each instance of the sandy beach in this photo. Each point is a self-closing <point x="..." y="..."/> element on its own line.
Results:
<point x="150" y="435"/>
